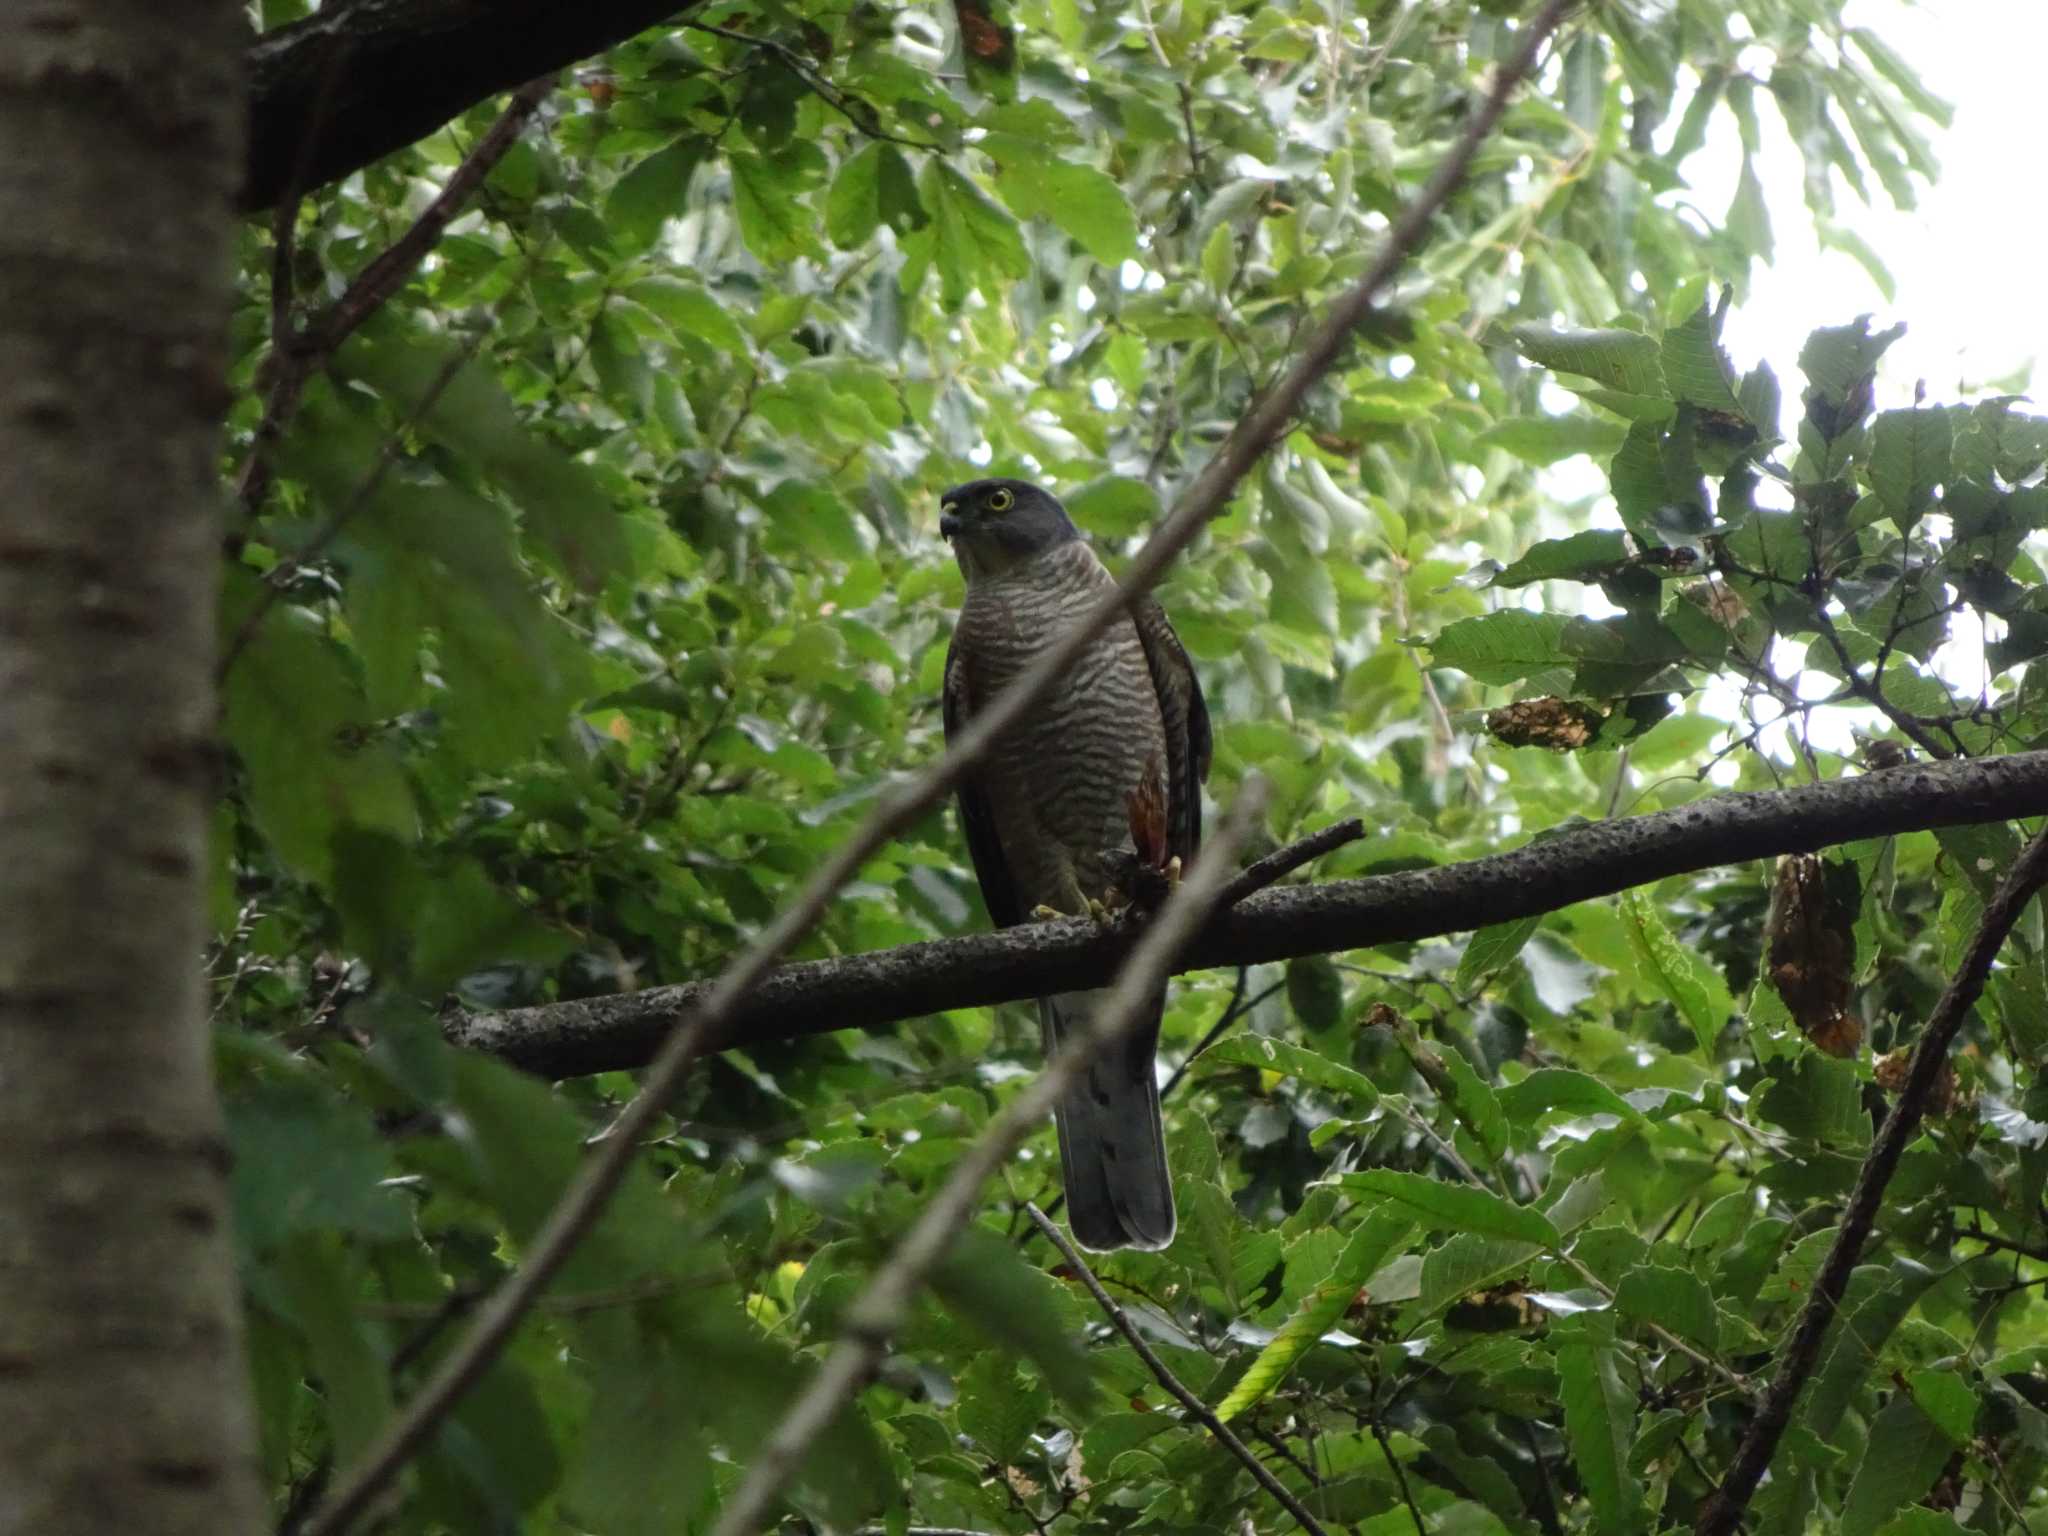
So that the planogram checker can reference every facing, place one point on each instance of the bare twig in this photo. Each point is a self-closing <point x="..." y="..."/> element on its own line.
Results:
<point x="1379" y="1433"/>
<point x="866" y="120"/>
<point x="576" y="1211"/>
<point x="297" y="355"/>
<point x="1197" y="1409"/>
<point x="1722" y="1512"/>
<point x="1282" y="862"/>
<point x="1871" y="689"/>
<point x="280" y="578"/>
<point x="883" y="1305"/>
<point x="1239" y="1006"/>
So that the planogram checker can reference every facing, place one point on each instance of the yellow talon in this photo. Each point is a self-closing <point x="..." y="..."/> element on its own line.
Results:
<point x="1044" y="914"/>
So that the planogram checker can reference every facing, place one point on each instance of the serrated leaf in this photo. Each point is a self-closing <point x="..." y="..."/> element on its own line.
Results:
<point x="983" y="1279"/>
<point x="1622" y="360"/>
<point x="1503" y="647"/>
<point x="1271" y="1055"/>
<point x="1491" y="949"/>
<point x="1451" y="1207"/>
<point x="1902" y="1457"/>
<point x="1694" y="365"/>
<point x="1368" y="1248"/>
<point x="1549" y="1088"/>
<point x="1599" y="1420"/>
<point x="1671" y="1297"/>
<point x="690" y="310"/>
<point x="1000" y="1408"/>
<point x="1909" y="458"/>
<point x="643" y="199"/>
<point x="1587" y="556"/>
<point x="765" y="197"/>
<point x="1700" y="995"/>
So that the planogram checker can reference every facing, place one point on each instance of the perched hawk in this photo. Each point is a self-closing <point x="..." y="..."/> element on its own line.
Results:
<point x="1118" y="748"/>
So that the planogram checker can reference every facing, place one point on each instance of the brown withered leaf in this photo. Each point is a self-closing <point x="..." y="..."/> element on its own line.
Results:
<point x="1810" y="949"/>
<point x="982" y="35"/>
<point x="1559" y="724"/>
<point x="1717" y="600"/>
<point x="1889" y="1072"/>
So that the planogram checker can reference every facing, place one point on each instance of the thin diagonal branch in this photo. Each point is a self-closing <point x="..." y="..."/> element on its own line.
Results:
<point x="576" y="1211"/>
<point x="1721" y="1514"/>
<point x="1197" y="1409"/>
<point x="1282" y="862"/>
<point x="881" y="1309"/>
<point x="296" y="355"/>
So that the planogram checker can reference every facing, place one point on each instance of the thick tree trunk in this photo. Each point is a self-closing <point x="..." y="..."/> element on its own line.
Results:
<point x="123" y="1392"/>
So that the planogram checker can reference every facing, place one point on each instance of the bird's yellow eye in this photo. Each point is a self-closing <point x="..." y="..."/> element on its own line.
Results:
<point x="1000" y="501"/>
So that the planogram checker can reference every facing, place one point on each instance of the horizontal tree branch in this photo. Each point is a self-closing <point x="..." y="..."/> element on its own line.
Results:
<point x="857" y="991"/>
<point x="359" y="79"/>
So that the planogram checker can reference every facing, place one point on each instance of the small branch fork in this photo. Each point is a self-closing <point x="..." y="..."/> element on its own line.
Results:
<point x="578" y="1207"/>
<point x="1721" y="1514"/>
<point x="1197" y="1409"/>
<point x="881" y="1309"/>
<point x="297" y="353"/>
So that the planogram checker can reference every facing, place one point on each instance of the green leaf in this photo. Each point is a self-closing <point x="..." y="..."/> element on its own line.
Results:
<point x="1315" y="992"/>
<point x="1115" y="506"/>
<point x="561" y="501"/>
<point x="1000" y="1408"/>
<point x="1698" y="993"/>
<point x="1672" y="1297"/>
<point x="690" y="310"/>
<point x="1836" y="359"/>
<point x="1451" y="1207"/>
<point x="1909" y="458"/>
<point x="1950" y="1401"/>
<point x="1874" y="1304"/>
<point x="1695" y="366"/>
<point x="1471" y="1100"/>
<point x="303" y="738"/>
<point x="1600" y="1421"/>
<point x="1491" y="949"/>
<point x="1549" y="1088"/>
<point x="1902" y="1457"/>
<point x="766" y="197"/>
<point x="306" y="1161"/>
<point x="1367" y="1249"/>
<point x="650" y="194"/>
<point x="1588" y="556"/>
<point x="316" y="1279"/>
<point x="983" y="1279"/>
<point x="1622" y="360"/>
<point x="1279" y="1056"/>
<point x="977" y="243"/>
<point x="1503" y="647"/>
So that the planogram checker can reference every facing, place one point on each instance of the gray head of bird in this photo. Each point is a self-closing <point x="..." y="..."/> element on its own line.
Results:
<point x="995" y="525"/>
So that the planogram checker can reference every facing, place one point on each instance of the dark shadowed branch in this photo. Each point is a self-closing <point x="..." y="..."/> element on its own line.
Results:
<point x="857" y="991"/>
<point x="1197" y="1409"/>
<point x="1721" y="1514"/>
<point x="359" y="79"/>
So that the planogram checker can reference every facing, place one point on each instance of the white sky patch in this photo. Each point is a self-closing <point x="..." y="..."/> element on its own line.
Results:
<point x="1966" y="262"/>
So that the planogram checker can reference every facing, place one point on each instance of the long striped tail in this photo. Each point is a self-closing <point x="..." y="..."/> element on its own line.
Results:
<point x="1112" y="1146"/>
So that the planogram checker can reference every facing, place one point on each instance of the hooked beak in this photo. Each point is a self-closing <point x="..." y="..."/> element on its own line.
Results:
<point x="949" y="520"/>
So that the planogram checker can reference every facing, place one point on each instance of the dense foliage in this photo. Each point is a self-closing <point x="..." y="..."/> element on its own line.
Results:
<point x="598" y="592"/>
